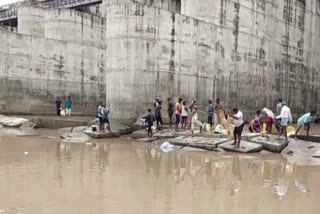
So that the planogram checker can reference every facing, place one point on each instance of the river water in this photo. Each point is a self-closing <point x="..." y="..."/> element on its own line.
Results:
<point x="121" y="176"/>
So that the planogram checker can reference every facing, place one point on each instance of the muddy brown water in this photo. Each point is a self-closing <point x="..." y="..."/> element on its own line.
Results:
<point x="40" y="175"/>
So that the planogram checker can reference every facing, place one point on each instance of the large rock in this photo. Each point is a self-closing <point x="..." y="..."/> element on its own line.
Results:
<point x="248" y="136"/>
<point x="271" y="143"/>
<point x="299" y="152"/>
<point x="198" y="142"/>
<point x="11" y="121"/>
<point x="198" y="134"/>
<point x="245" y="147"/>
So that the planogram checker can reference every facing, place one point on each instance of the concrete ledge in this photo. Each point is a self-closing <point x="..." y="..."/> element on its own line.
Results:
<point x="245" y="147"/>
<point x="271" y="143"/>
<point x="315" y="139"/>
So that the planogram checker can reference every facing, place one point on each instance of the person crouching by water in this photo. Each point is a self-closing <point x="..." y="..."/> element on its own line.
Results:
<point x="255" y="125"/>
<point x="305" y="121"/>
<point x="239" y="124"/>
<point x="158" y="115"/>
<point x="286" y="118"/>
<point x="149" y="120"/>
<point x="195" y="122"/>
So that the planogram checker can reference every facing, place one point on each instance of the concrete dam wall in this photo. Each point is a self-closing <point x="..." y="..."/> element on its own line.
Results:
<point x="56" y="52"/>
<point x="248" y="53"/>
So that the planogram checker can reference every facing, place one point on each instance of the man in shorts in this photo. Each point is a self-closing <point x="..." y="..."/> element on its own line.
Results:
<point x="210" y="114"/>
<point x="239" y="124"/>
<point x="170" y="110"/>
<point x="286" y="118"/>
<point x="305" y="121"/>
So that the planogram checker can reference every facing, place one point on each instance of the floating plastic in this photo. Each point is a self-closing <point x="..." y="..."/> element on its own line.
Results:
<point x="167" y="147"/>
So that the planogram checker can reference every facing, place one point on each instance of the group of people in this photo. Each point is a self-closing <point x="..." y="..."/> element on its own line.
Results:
<point x="186" y="115"/>
<point x="281" y="119"/>
<point x="67" y="106"/>
<point x="103" y="115"/>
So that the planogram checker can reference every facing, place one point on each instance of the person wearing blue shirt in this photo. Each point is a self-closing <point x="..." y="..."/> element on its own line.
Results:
<point x="68" y="106"/>
<point x="210" y="113"/>
<point x="305" y="121"/>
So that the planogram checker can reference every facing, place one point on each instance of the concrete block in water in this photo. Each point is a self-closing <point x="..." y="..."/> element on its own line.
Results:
<point x="271" y="143"/>
<point x="139" y="134"/>
<point x="245" y="147"/>
<point x="164" y="134"/>
<point x="198" y="142"/>
<point x="106" y="134"/>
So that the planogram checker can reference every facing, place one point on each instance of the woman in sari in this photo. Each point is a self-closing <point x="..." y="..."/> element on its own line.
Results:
<point x="219" y="109"/>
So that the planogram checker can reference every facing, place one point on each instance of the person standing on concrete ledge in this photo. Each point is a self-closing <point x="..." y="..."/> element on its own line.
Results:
<point x="178" y="110"/>
<point x="278" y="112"/>
<point x="184" y="115"/>
<point x="286" y="118"/>
<point x="68" y="106"/>
<point x="210" y="114"/>
<point x="106" y="120"/>
<point x="170" y="110"/>
<point x="149" y="120"/>
<point x="305" y="121"/>
<point x="58" y="106"/>
<point x="195" y="122"/>
<point x="239" y="124"/>
<point x="219" y="109"/>
<point x="158" y="115"/>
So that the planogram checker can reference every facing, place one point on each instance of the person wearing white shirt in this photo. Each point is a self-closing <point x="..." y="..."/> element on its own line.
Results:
<point x="286" y="118"/>
<point x="239" y="124"/>
<point x="195" y="121"/>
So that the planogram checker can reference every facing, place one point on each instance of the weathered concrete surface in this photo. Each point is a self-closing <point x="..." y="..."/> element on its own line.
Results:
<point x="271" y="143"/>
<point x="248" y="136"/>
<point x="300" y="152"/>
<point x="245" y="147"/>
<point x="34" y="70"/>
<point x="248" y="48"/>
<point x="198" y="142"/>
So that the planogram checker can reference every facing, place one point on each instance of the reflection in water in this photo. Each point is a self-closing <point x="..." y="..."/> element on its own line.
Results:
<point x="120" y="176"/>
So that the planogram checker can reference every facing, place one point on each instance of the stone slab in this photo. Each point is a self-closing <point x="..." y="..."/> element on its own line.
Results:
<point x="314" y="139"/>
<point x="198" y="142"/>
<point x="100" y="135"/>
<point x="28" y="125"/>
<point x="164" y="134"/>
<point x="245" y="147"/>
<point x="139" y="134"/>
<point x="198" y="134"/>
<point x="248" y="136"/>
<point x="271" y="143"/>
<point x="302" y="153"/>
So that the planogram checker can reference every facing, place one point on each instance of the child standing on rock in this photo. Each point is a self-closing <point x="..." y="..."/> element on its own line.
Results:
<point x="149" y="120"/>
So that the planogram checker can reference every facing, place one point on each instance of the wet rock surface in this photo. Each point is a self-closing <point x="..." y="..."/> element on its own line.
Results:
<point x="301" y="152"/>
<point x="245" y="147"/>
<point x="198" y="142"/>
